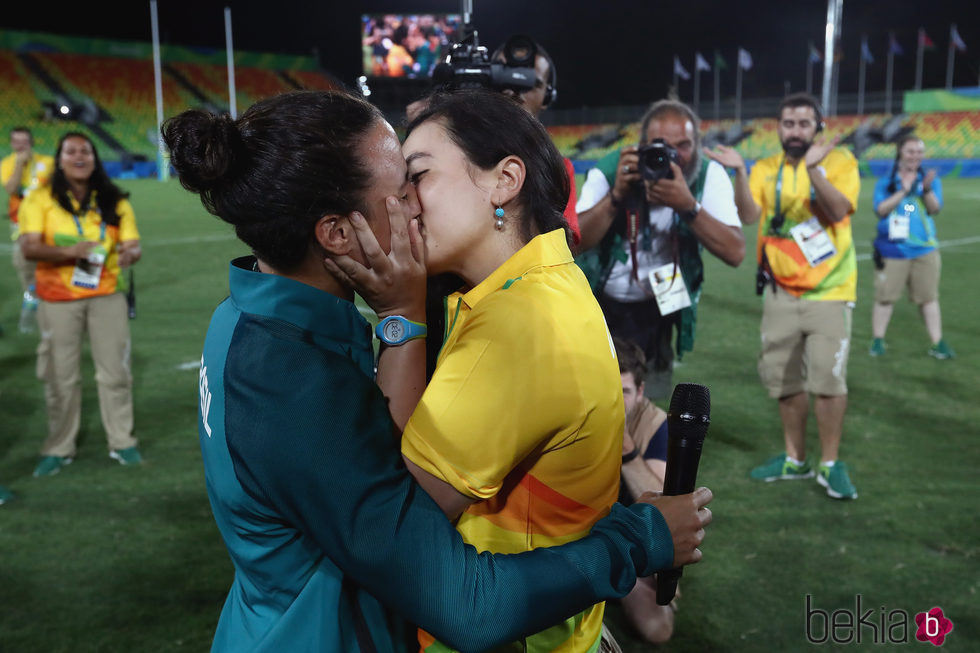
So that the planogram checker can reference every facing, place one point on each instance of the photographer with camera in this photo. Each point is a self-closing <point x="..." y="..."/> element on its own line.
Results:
<point x="520" y="51"/>
<point x="803" y="199"/>
<point x="648" y="211"/>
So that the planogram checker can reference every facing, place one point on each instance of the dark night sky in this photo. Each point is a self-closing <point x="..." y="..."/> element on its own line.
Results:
<point x="607" y="51"/>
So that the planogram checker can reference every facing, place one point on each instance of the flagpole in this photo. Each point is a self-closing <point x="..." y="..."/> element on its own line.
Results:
<point x="830" y="39"/>
<point x="717" y="87"/>
<point x="809" y="68"/>
<point x="738" y="90"/>
<point x="232" y="95"/>
<point x="861" y="67"/>
<point x="950" y="58"/>
<point x="163" y="165"/>
<point x="888" y="73"/>
<point x="918" y="61"/>
<point x="838" y="17"/>
<point x="697" y="86"/>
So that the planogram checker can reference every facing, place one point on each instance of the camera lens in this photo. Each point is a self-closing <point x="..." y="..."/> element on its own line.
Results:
<point x="655" y="161"/>
<point x="519" y="51"/>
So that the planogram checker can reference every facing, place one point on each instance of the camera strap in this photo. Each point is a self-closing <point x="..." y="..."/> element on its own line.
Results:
<point x="634" y="206"/>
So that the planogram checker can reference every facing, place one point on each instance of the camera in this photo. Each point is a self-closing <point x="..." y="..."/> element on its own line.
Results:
<point x="655" y="159"/>
<point x="469" y="65"/>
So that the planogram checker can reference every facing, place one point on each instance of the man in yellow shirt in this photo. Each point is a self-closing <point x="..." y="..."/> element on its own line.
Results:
<point x="22" y="171"/>
<point x="803" y="199"/>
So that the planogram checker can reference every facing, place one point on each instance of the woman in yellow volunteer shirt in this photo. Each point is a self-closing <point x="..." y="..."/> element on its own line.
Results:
<point x="519" y="433"/>
<point x="82" y="232"/>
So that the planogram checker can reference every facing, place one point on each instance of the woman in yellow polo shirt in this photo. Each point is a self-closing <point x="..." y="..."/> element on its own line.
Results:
<point x="519" y="433"/>
<point x="82" y="232"/>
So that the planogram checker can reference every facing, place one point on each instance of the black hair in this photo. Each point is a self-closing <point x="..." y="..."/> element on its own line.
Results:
<point x="107" y="194"/>
<point x="631" y="359"/>
<point x="801" y="99"/>
<point x="893" y="176"/>
<point x="491" y="126"/>
<point x="273" y="173"/>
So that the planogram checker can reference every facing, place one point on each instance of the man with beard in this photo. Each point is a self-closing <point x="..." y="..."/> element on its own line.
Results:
<point x="646" y="268"/>
<point x="803" y="200"/>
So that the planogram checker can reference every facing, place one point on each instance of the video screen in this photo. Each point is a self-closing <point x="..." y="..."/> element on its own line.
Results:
<point x="406" y="45"/>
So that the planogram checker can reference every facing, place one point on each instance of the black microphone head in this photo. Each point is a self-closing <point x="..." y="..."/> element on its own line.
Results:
<point x="690" y="409"/>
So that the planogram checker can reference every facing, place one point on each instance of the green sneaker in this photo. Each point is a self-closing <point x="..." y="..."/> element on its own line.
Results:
<point x="780" y="468"/>
<point x="130" y="456"/>
<point x="835" y="478"/>
<point x="5" y="495"/>
<point x="50" y="465"/>
<point x="877" y="347"/>
<point x="942" y="351"/>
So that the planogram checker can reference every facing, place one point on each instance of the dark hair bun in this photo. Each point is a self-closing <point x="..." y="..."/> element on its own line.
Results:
<point x="203" y="147"/>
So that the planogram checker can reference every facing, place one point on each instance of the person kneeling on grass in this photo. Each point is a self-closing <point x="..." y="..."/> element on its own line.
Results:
<point x="644" y="467"/>
<point x="332" y="540"/>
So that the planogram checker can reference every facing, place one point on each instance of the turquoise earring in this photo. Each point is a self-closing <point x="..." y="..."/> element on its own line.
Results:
<point x="499" y="214"/>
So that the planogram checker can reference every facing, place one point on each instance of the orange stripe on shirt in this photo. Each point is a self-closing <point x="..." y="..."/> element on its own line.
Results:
<point x="534" y="508"/>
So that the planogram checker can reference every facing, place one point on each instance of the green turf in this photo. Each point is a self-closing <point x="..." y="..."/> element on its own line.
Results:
<point x="107" y="558"/>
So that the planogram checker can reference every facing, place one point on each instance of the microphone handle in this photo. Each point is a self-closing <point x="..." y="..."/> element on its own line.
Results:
<point x="679" y="478"/>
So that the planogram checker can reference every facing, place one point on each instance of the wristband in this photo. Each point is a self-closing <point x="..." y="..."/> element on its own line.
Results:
<point x="627" y="457"/>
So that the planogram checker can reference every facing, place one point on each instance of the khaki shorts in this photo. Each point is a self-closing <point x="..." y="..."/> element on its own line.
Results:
<point x="921" y="275"/>
<point x="805" y="344"/>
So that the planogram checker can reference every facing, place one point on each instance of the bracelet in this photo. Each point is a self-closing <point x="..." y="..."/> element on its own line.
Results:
<point x="627" y="457"/>
<point x="617" y="203"/>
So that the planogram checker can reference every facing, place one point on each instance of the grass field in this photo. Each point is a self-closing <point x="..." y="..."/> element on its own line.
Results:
<point x="106" y="558"/>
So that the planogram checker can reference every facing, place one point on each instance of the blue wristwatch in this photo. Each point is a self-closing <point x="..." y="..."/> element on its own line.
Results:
<point x="396" y="330"/>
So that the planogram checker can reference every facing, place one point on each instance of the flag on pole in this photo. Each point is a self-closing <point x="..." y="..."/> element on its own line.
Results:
<point x="866" y="51"/>
<point x="679" y="69"/>
<point x="956" y="39"/>
<point x="744" y="59"/>
<point x="720" y="63"/>
<point x="924" y="41"/>
<point x="815" y="56"/>
<point x="893" y="46"/>
<point x="700" y="63"/>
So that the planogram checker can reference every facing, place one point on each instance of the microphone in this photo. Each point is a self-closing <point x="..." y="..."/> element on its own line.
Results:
<point x="687" y="423"/>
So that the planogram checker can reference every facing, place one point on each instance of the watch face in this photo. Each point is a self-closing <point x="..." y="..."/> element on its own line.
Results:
<point x="393" y="330"/>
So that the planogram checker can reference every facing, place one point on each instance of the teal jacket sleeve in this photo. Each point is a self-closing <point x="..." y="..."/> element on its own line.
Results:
<point x="310" y="438"/>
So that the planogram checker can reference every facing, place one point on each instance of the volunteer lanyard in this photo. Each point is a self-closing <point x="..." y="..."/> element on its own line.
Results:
<point x="78" y="225"/>
<point x="778" y="215"/>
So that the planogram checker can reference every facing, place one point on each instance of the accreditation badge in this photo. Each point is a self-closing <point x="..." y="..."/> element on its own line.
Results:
<point x="898" y="223"/>
<point x="88" y="270"/>
<point x="669" y="288"/>
<point x="813" y="241"/>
